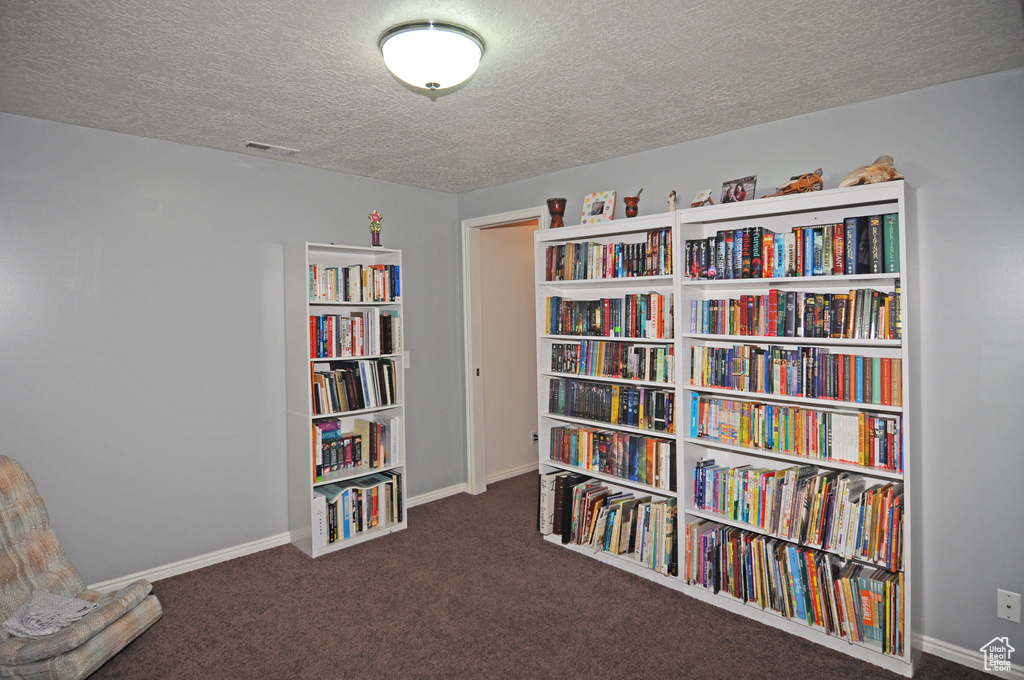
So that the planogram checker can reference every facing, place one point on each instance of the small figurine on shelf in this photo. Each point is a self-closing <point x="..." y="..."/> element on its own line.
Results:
<point x="882" y="170"/>
<point x="799" y="184"/>
<point x="672" y="201"/>
<point x="375" y="219"/>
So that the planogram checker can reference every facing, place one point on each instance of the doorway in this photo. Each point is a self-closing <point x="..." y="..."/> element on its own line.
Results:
<point x="501" y="344"/>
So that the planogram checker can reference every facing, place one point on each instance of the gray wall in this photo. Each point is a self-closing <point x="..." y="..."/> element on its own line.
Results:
<point x="142" y="334"/>
<point x="961" y="146"/>
<point x="142" y="340"/>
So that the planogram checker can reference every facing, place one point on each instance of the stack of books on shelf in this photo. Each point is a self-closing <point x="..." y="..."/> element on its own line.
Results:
<point x="853" y="601"/>
<point x="861" y="438"/>
<point x="577" y="261"/>
<point x="354" y="334"/>
<point x="638" y="458"/>
<point x="825" y="509"/>
<point x="620" y="360"/>
<point x="863" y="313"/>
<point x="371" y="443"/>
<point x="640" y="315"/>
<point x="347" y="509"/>
<point x="356" y="283"/>
<point x="812" y="372"/>
<point x="585" y="512"/>
<point x="858" y="245"/>
<point x="646" y="408"/>
<point x="354" y="385"/>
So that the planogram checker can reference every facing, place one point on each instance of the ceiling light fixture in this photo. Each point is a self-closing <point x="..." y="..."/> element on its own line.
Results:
<point x="431" y="55"/>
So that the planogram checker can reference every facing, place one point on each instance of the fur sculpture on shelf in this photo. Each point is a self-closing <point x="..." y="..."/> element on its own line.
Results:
<point x="881" y="170"/>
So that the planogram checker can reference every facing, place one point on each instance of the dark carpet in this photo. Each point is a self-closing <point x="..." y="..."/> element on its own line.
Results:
<point x="470" y="590"/>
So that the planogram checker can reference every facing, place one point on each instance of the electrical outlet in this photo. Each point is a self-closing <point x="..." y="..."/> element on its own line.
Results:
<point x="1008" y="605"/>
<point x="533" y="438"/>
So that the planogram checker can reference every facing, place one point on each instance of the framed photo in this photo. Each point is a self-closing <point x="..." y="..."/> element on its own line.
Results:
<point x="737" y="190"/>
<point x="598" y="207"/>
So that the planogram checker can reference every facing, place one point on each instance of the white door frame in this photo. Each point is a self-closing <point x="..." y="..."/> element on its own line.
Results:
<point x="476" y="461"/>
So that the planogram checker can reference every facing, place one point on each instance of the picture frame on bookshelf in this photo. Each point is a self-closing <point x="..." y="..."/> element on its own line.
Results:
<point x="737" y="190"/>
<point x="598" y="207"/>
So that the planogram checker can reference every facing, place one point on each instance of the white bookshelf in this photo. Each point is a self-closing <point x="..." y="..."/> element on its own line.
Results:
<point x="660" y="338"/>
<point x="307" y="358"/>
<point x="778" y="215"/>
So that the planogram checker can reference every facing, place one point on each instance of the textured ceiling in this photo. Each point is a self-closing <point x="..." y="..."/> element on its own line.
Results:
<point x="557" y="74"/>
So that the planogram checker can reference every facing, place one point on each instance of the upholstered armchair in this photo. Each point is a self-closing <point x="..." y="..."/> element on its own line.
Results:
<point x="32" y="559"/>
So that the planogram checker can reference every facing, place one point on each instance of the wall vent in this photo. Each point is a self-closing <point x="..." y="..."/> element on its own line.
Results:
<point x="269" y="148"/>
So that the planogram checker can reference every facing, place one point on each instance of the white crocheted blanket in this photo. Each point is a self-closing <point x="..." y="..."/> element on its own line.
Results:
<point x="45" y="613"/>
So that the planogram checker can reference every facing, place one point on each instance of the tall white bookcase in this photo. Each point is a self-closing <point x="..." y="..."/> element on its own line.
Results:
<point x="778" y="215"/>
<point x="599" y="262"/>
<point x="329" y="289"/>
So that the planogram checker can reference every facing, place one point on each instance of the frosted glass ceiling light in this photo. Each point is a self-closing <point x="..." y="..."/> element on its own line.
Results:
<point x="431" y="55"/>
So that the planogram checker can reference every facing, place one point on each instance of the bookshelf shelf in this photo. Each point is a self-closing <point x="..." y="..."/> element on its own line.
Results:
<point x="613" y="479"/>
<point x="610" y="426"/>
<point x="790" y="399"/>
<point x="775" y="340"/>
<point x="867" y="471"/>
<point x="346" y="465"/>
<point x="832" y="432"/>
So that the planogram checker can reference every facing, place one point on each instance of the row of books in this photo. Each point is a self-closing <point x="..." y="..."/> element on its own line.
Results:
<point x="588" y="260"/>
<point x="355" y="334"/>
<point x="861" y="314"/>
<point x="852" y="601"/>
<point x="372" y="443"/>
<point x="585" y="512"/>
<point x="347" y="509"/>
<point x="799" y="371"/>
<point x="354" y="385"/>
<point x="646" y="408"/>
<point x="638" y="458"/>
<point x="858" y="245"/>
<point x="864" y="438"/>
<point x="622" y="360"/>
<point x="640" y="315"/>
<point x="830" y="510"/>
<point x="355" y="283"/>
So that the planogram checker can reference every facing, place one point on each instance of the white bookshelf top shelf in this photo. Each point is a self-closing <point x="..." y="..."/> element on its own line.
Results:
<point x="602" y="230"/>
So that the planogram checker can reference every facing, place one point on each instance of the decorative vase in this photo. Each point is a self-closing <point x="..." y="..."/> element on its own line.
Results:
<point x="632" y="205"/>
<point x="556" y="206"/>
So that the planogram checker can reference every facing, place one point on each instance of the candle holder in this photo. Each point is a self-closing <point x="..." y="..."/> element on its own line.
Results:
<point x="632" y="205"/>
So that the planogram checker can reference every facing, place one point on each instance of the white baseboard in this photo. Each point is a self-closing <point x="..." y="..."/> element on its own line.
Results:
<point x="515" y="472"/>
<point x="437" y="495"/>
<point x="972" y="658"/>
<point x="193" y="563"/>
<point x="209" y="559"/>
